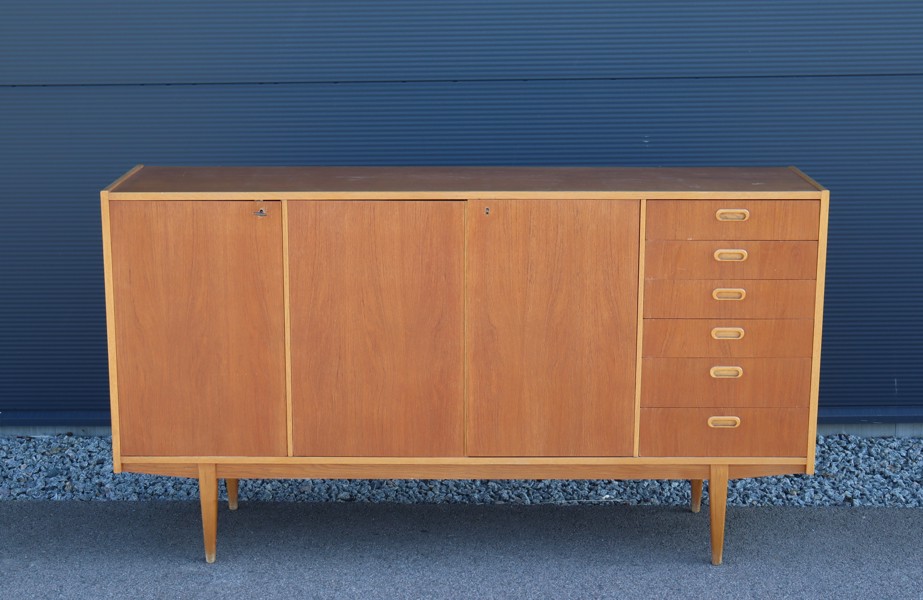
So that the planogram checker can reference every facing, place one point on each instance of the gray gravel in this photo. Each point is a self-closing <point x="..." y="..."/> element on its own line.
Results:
<point x="851" y="471"/>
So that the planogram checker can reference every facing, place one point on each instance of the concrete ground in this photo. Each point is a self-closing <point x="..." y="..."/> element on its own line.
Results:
<point x="154" y="550"/>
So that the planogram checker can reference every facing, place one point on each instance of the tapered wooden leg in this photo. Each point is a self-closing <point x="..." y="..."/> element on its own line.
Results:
<point x="232" y="486"/>
<point x="717" y="504"/>
<point x="696" y="504"/>
<point x="208" y="497"/>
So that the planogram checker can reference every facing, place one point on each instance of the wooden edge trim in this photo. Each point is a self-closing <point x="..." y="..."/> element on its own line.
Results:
<point x="325" y="471"/>
<point x="287" y="307"/>
<point x="744" y="471"/>
<point x="639" y="327"/>
<point x="170" y="470"/>
<point x="123" y="178"/>
<point x="110" y="332"/>
<point x="811" y="181"/>
<point x="588" y="461"/>
<point x="465" y="329"/>
<point x="460" y="196"/>
<point x="252" y="471"/>
<point x="818" y="328"/>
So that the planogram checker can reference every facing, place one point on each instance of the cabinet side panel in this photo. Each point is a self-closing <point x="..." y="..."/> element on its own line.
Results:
<point x="199" y="328"/>
<point x="377" y="292"/>
<point x="818" y="327"/>
<point x="110" y="334"/>
<point x="552" y="313"/>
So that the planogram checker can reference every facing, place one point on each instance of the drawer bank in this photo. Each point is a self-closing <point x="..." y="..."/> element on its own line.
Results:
<point x="464" y="322"/>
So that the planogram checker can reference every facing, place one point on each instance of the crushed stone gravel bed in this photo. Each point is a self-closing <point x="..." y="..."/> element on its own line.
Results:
<point x="851" y="471"/>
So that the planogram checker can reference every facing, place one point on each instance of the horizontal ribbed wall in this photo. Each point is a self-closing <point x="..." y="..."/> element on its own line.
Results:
<point x="831" y="87"/>
<point x="176" y="41"/>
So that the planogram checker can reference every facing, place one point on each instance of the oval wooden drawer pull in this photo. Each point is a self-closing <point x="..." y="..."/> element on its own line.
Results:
<point x="732" y="214"/>
<point x="731" y="255"/>
<point x="726" y="372"/>
<point x="728" y="333"/>
<point x="729" y="294"/>
<point x="723" y="422"/>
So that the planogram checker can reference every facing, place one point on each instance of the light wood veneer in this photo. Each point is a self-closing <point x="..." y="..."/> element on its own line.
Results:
<point x="377" y="299"/>
<point x="550" y="287"/>
<point x="734" y="260"/>
<point x="199" y="328"/>
<point x="765" y="220"/>
<point x="464" y="322"/>
<point x="767" y="338"/>
<point x="694" y="299"/>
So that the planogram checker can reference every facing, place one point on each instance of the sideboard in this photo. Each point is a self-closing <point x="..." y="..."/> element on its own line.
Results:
<point x="464" y="322"/>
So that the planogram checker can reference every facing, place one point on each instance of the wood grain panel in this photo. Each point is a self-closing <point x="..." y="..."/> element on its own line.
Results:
<point x="765" y="299"/>
<point x="110" y="329"/>
<point x="463" y="471"/>
<point x="769" y="220"/>
<point x="377" y="328"/>
<point x="588" y="470"/>
<point x="696" y="260"/>
<point x="686" y="382"/>
<point x="552" y="309"/>
<point x="460" y="180"/>
<point x="170" y="470"/>
<point x="762" y="432"/>
<point x="372" y="461"/>
<point x="745" y="471"/>
<point x="818" y="328"/>
<point x="761" y="338"/>
<point x="199" y="328"/>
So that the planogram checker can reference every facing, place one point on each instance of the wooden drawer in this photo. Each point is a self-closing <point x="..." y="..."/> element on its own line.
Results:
<point x="761" y="432"/>
<point x="691" y="338"/>
<point x="730" y="259"/>
<point x="687" y="382"/>
<point x="762" y="299"/>
<point x="764" y="219"/>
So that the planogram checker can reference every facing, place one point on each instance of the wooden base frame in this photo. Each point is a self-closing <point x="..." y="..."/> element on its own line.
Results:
<point x="695" y="470"/>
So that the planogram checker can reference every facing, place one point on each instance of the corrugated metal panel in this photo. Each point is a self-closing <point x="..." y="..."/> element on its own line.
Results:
<point x="859" y="135"/>
<point x="176" y="41"/>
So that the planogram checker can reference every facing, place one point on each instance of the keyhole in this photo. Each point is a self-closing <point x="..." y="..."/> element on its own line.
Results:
<point x="487" y="210"/>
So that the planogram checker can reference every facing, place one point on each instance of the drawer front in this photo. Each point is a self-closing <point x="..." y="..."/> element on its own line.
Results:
<point x="730" y="259"/>
<point x="729" y="298"/>
<point x="733" y="220"/>
<point x="690" y="338"/>
<point x="759" y="432"/>
<point x="688" y="382"/>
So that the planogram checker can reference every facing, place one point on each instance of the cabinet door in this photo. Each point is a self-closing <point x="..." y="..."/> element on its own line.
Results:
<point x="552" y="311"/>
<point x="199" y="325"/>
<point x="377" y="291"/>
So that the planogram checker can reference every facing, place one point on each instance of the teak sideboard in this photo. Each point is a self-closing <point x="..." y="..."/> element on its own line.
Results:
<point x="464" y="322"/>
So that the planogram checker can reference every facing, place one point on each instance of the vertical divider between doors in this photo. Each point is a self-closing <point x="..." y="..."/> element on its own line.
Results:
<point x="286" y="302"/>
<point x="465" y="331"/>
<point x="639" y="325"/>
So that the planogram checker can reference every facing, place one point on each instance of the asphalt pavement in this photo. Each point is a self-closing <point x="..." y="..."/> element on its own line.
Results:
<point x="54" y="549"/>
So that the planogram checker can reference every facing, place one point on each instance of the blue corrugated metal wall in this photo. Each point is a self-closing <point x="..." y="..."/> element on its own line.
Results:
<point x="88" y="89"/>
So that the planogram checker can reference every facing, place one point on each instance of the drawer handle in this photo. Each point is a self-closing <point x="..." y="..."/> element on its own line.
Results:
<point x="726" y="372"/>
<point x="732" y="214"/>
<point x="729" y="294"/>
<point x="731" y="255"/>
<point x="728" y="333"/>
<point x="724" y="422"/>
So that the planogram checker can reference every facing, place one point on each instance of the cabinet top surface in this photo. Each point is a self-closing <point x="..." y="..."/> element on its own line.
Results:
<point x="462" y="182"/>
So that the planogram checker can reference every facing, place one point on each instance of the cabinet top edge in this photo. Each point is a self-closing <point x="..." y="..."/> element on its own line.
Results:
<point x="461" y="183"/>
